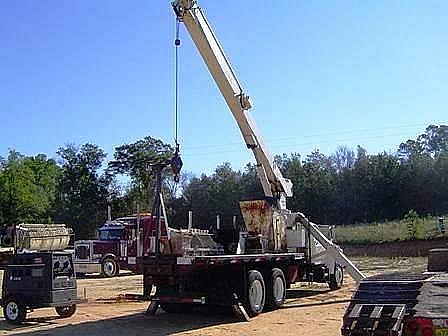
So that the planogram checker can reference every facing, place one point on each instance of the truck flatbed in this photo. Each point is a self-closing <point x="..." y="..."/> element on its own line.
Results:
<point x="234" y="258"/>
<point x="183" y="281"/>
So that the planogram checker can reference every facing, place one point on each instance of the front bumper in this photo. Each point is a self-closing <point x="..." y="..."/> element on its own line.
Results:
<point x="87" y="267"/>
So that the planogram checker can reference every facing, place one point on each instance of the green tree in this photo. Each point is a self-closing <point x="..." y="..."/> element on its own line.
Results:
<point x="413" y="223"/>
<point x="27" y="186"/>
<point x="137" y="160"/>
<point x="82" y="192"/>
<point x="318" y="186"/>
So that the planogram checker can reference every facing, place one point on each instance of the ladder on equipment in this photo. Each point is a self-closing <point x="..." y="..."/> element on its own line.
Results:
<point x="374" y="320"/>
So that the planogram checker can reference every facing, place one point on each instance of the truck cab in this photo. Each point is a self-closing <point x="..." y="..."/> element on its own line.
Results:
<point x="118" y="247"/>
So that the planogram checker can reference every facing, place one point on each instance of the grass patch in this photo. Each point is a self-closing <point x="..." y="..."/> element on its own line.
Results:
<point x="387" y="231"/>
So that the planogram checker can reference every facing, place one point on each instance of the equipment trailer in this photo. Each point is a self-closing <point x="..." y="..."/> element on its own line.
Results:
<point x="249" y="267"/>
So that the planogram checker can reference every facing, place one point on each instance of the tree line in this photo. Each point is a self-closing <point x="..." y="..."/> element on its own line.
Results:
<point x="348" y="186"/>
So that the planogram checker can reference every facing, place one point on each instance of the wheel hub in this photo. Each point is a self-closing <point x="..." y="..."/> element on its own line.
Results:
<point x="256" y="294"/>
<point x="279" y="289"/>
<point x="109" y="268"/>
<point x="338" y="275"/>
<point x="12" y="310"/>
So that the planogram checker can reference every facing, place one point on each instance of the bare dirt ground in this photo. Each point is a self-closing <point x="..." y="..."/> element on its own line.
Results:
<point x="310" y="309"/>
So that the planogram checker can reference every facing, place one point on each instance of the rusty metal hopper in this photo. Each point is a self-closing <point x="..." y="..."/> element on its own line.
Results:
<point x="261" y="220"/>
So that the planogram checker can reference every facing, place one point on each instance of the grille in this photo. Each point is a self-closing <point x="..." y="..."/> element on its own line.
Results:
<point x="82" y="252"/>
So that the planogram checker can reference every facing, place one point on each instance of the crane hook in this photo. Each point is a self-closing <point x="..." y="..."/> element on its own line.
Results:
<point x="176" y="164"/>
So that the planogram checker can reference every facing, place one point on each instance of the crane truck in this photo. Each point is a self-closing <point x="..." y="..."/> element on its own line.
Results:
<point x="250" y="266"/>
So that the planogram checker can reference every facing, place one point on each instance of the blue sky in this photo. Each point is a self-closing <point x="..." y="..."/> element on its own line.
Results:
<point x="320" y="74"/>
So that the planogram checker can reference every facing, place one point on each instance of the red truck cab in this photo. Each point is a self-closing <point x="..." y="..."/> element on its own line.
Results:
<point x="119" y="246"/>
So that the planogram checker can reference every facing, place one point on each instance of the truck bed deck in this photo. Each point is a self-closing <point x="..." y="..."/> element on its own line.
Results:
<point x="229" y="258"/>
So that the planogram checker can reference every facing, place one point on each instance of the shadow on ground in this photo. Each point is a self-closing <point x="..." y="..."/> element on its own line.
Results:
<point x="304" y="293"/>
<point x="135" y="324"/>
<point x="30" y="322"/>
<point x="161" y="324"/>
<point x="99" y="276"/>
<point x="325" y="296"/>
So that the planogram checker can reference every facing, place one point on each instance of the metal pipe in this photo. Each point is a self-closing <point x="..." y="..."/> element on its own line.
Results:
<point x="156" y="207"/>
<point x="190" y="220"/>
<point x="139" y="250"/>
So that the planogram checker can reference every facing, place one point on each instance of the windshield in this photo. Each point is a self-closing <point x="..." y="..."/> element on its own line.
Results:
<point x="110" y="234"/>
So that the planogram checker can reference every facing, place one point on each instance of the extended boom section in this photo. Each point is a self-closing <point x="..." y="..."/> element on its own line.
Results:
<point x="188" y="12"/>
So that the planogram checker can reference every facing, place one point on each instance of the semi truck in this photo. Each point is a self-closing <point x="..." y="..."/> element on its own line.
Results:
<point x="247" y="266"/>
<point x="118" y="247"/>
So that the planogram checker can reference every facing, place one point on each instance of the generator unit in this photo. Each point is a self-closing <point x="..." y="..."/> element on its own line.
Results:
<point x="40" y="273"/>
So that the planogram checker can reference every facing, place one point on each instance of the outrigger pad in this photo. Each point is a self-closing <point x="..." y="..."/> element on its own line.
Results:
<point x="152" y="308"/>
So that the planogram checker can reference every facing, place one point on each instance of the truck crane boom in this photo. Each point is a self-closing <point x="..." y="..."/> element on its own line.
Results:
<point x="274" y="184"/>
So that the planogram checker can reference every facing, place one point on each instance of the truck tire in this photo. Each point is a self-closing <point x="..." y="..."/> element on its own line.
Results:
<point x="438" y="260"/>
<point x="256" y="293"/>
<point x="176" y="308"/>
<point x="14" y="311"/>
<point x="276" y="289"/>
<point x="109" y="268"/>
<point x="66" y="311"/>
<point x="337" y="278"/>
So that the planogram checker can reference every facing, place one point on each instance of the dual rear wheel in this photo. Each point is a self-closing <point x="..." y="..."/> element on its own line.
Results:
<point x="263" y="293"/>
<point x="260" y="293"/>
